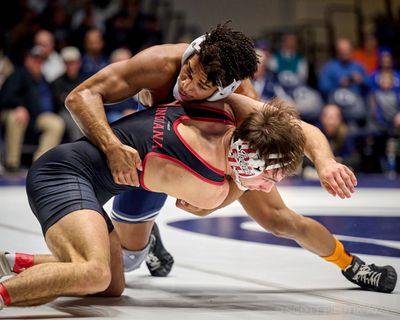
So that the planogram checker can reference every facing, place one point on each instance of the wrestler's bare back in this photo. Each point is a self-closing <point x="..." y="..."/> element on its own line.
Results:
<point x="210" y="142"/>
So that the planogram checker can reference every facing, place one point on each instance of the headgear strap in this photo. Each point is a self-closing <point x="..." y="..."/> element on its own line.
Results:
<point x="247" y="162"/>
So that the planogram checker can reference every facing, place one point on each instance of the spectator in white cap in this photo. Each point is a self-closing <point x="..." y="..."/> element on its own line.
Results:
<point x="63" y="85"/>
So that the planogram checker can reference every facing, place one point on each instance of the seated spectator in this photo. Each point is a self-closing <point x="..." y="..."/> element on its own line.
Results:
<point x="353" y="106"/>
<point x="26" y="99"/>
<point x="6" y="67"/>
<point x="53" y="66"/>
<point x="340" y="139"/>
<point x="288" y="84"/>
<point x="264" y="80"/>
<point x="385" y="104"/>
<point x="308" y="103"/>
<point x="339" y="136"/>
<point x="344" y="82"/>
<point x="62" y="86"/>
<point x="385" y="64"/>
<point x="307" y="100"/>
<point x="93" y="59"/>
<point x="288" y="60"/>
<point x="385" y="117"/>
<point x="128" y="106"/>
<point x="343" y="72"/>
<point x="368" y="55"/>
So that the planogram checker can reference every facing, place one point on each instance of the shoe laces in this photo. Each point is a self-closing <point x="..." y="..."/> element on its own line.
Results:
<point x="152" y="261"/>
<point x="366" y="275"/>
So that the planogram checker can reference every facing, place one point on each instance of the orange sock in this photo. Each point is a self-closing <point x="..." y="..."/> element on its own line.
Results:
<point x="339" y="257"/>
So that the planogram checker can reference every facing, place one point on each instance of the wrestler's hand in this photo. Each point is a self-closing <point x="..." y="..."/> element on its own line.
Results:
<point x="337" y="178"/>
<point x="124" y="162"/>
<point x="182" y="204"/>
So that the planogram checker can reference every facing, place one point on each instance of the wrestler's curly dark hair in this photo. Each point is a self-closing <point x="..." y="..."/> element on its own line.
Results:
<point x="227" y="55"/>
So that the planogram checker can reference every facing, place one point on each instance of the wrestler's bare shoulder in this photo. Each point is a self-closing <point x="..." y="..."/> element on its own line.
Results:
<point x="166" y="57"/>
<point x="164" y="175"/>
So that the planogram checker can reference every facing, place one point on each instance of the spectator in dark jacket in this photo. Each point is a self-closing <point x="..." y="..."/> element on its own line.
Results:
<point x="26" y="99"/>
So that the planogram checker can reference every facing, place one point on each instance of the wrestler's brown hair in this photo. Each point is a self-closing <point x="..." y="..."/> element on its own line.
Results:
<point x="227" y="55"/>
<point x="275" y="128"/>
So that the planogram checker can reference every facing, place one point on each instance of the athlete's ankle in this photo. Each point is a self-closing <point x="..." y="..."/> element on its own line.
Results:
<point x="340" y="256"/>
<point x="19" y="262"/>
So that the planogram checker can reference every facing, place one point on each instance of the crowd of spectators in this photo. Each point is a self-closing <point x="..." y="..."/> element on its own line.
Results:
<point x="356" y="103"/>
<point x="48" y="47"/>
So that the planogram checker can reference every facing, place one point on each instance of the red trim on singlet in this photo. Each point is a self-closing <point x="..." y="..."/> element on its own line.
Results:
<point x="155" y="154"/>
<point x="175" y="126"/>
<point x="196" y="106"/>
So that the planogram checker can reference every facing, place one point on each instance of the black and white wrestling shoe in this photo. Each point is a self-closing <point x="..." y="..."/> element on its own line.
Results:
<point x="159" y="261"/>
<point x="370" y="276"/>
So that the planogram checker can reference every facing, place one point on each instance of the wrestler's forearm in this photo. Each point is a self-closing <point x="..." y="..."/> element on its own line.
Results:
<point x="317" y="147"/>
<point x="86" y="106"/>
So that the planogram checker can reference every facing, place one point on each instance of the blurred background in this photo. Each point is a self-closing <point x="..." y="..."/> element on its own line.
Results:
<point x="337" y="61"/>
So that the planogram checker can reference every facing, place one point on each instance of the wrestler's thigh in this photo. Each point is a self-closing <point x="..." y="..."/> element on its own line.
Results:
<point x="80" y="236"/>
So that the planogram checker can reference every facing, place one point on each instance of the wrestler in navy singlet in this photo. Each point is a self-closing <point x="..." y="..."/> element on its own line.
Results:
<point x="75" y="176"/>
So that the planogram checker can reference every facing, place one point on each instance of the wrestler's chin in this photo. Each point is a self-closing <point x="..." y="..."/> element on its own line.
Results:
<point x="185" y="98"/>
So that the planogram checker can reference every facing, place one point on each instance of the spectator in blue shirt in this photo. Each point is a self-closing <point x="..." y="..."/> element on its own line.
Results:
<point x="343" y="72"/>
<point x="385" y="64"/>
<point x="385" y="105"/>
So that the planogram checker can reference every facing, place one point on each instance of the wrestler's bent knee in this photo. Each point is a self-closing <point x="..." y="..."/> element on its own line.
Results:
<point x="95" y="277"/>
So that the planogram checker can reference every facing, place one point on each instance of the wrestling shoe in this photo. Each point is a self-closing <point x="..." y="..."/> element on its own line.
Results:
<point x="370" y="276"/>
<point x="5" y="269"/>
<point x="159" y="261"/>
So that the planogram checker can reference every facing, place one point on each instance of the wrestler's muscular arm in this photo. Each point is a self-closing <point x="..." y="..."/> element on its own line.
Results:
<point x="150" y="69"/>
<point x="336" y="178"/>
